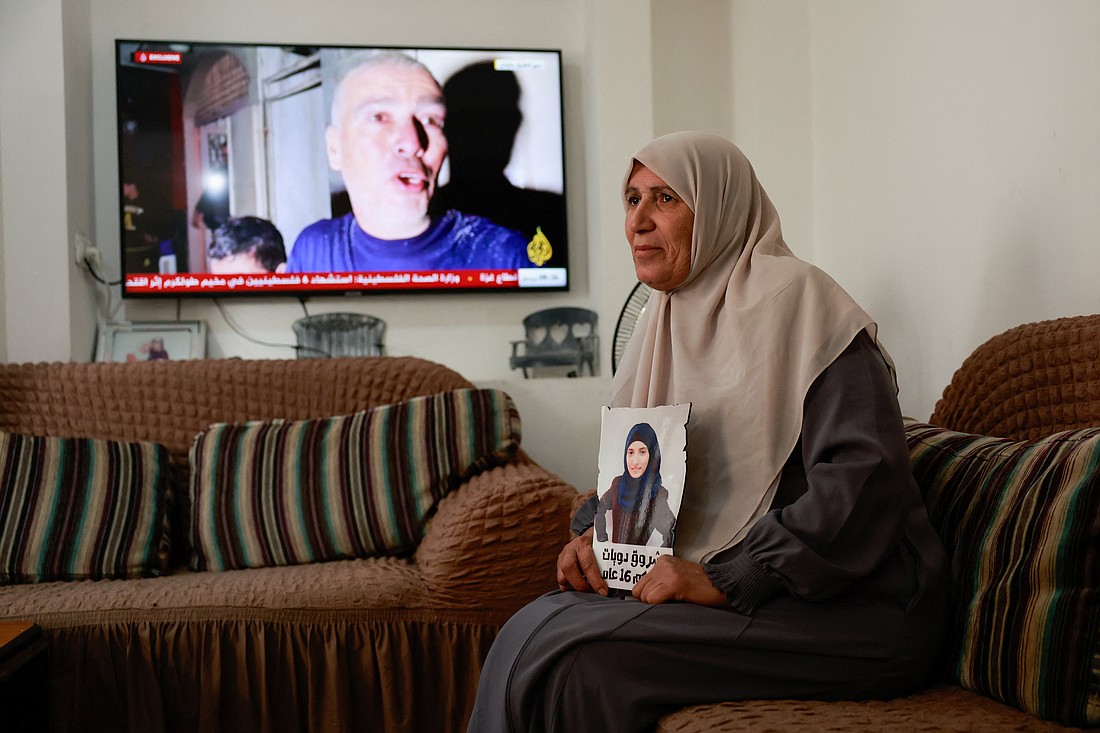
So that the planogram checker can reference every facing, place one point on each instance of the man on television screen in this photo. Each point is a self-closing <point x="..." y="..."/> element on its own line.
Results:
<point x="386" y="139"/>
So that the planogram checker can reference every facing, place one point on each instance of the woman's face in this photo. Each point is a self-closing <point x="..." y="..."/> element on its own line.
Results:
<point x="658" y="227"/>
<point x="637" y="458"/>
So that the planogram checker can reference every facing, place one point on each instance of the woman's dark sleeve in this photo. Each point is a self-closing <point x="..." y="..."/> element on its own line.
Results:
<point x="584" y="517"/>
<point x="593" y="512"/>
<point x="856" y="497"/>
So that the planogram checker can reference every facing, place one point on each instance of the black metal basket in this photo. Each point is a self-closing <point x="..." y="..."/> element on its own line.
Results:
<point x="339" y="334"/>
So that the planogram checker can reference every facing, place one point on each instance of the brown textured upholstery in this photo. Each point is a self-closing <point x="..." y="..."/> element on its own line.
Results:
<point x="369" y="644"/>
<point x="1030" y="381"/>
<point x="942" y="709"/>
<point x="169" y="402"/>
<point x="483" y="541"/>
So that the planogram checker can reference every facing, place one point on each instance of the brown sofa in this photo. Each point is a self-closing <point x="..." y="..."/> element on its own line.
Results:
<point x="1026" y="384"/>
<point x="387" y="643"/>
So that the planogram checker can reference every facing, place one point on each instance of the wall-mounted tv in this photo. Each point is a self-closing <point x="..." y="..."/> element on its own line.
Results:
<point x="296" y="170"/>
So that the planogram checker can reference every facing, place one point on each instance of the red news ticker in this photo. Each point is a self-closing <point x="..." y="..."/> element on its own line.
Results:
<point x="201" y="282"/>
<point x="158" y="57"/>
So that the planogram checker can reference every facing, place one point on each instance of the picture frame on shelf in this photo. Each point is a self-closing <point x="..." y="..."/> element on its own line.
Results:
<point x="136" y="341"/>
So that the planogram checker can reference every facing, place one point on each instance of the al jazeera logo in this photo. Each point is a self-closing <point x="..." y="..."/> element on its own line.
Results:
<point x="539" y="250"/>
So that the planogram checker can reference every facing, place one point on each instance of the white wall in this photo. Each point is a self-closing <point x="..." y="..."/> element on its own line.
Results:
<point x="33" y="181"/>
<point x="956" y="169"/>
<point x="79" y="208"/>
<point x="772" y="115"/>
<point x="940" y="159"/>
<point x="3" y="276"/>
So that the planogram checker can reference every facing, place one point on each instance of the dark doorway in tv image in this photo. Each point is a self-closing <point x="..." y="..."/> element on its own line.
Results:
<point x="153" y="199"/>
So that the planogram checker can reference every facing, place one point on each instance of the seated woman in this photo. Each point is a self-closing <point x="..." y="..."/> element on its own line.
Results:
<point x="804" y="564"/>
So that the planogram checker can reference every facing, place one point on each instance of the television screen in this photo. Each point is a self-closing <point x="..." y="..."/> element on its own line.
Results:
<point x="278" y="169"/>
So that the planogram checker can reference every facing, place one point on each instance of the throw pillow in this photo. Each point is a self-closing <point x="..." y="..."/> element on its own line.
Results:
<point x="284" y="492"/>
<point x="81" y="508"/>
<point x="1021" y="521"/>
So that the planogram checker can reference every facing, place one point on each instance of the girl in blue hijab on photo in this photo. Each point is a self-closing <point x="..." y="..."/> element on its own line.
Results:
<point x="636" y="504"/>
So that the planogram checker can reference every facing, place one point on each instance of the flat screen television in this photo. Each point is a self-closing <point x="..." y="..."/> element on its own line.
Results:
<point x="295" y="170"/>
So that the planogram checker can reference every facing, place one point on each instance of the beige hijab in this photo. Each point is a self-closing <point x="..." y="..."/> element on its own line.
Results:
<point x="742" y="339"/>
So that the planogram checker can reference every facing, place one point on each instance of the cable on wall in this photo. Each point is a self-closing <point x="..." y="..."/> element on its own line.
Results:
<point x="240" y="332"/>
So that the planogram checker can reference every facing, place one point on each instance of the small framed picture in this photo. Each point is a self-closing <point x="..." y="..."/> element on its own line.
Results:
<point x="151" y="340"/>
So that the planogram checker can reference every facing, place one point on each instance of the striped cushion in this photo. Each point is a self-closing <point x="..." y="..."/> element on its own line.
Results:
<point x="78" y="508"/>
<point x="1022" y="522"/>
<point x="290" y="492"/>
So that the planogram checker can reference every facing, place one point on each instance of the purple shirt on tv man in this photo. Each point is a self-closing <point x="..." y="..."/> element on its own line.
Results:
<point x="454" y="241"/>
<point x="386" y="139"/>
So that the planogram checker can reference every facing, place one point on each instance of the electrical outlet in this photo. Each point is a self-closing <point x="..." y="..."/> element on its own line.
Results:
<point x="94" y="258"/>
<point x="81" y="245"/>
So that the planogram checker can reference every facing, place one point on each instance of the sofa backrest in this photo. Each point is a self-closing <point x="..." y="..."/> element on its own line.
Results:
<point x="1028" y="382"/>
<point x="1010" y="473"/>
<point x="169" y="402"/>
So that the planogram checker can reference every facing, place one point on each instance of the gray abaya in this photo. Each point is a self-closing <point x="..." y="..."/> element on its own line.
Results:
<point x="835" y="593"/>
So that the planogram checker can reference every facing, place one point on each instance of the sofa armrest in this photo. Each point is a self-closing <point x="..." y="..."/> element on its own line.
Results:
<point x="494" y="542"/>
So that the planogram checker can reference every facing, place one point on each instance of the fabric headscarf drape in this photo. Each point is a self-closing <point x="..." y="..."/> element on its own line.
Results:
<point x="742" y="339"/>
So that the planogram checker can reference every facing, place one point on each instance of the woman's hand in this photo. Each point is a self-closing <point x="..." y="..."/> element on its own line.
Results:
<point x="577" y="569"/>
<point x="674" y="579"/>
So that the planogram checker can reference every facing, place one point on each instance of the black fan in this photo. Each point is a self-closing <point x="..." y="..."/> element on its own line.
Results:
<point x="628" y="317"/>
